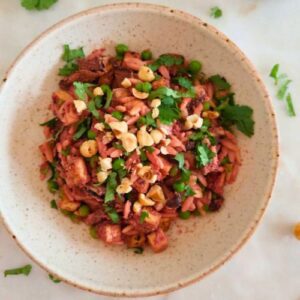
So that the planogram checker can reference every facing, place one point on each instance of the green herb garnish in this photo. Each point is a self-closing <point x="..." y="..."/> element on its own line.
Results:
<point x="66" y="152"/>
<point x="111" y="186"/>
<point x="53" y="204"/>
<point x="203" y="155"/>
<point x="167" y="60"/>
<point x="25" y="270"/>
<point x="112" y="213"/>
<point x="184" y="215"/>
<point x="93" y="110"/>
<point x="219" y="83"/>
<point x="54" y="279"/>
<point x="118" y="115"/>
<point x="50" y="123"/>
<point x="241" y="116"/>
<point x="108" y="93"/>
<point x="290" y="106"/>
<point x="184" y="82"/>
<point x="146" y="55"/>
<point x="216" y="12"/>
<point x="82" y="89"/>
<point x="180" y="158"/>
<point x="146" y="120"/>
<point x="144" y="215"/>
<point x="37" y="4"/>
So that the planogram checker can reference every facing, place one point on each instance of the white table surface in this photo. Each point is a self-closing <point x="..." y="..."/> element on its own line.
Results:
<point x="268" y="266"/>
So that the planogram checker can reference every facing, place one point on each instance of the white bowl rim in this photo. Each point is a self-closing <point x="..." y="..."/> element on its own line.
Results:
<point x="213" y="31"/>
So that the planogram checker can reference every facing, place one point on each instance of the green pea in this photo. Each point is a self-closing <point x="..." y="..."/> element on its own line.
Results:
<point x="93" y="232"/>
<point x="118" y="164"/>
<point x="184" y="215"/>
<point x="194" y="66"/>
<point x="179" y="186"/>
<point x="118" y="115"/>
<point x="91" y="135"/>
<point x="145" y="87"/>
<point x="121" y="49"/>
<point x="83" y="211"/>
<point x="146" y="55"/>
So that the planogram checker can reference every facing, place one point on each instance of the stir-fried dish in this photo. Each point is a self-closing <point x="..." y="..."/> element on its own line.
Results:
<point x="137" y="142"/>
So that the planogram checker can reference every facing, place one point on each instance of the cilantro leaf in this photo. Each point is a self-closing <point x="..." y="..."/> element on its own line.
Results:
<point x="180" y="158"/>
<point x="54" y="279"/>
<point x="110" y="187"/>
<point x="283" y="88"/>
<point x="203" y="155"/>
<point x="37" y="4"/>
<point x="82" y="89"/>
<point x="167" y="60"/>
<point x="144" y="215"/>
<point x="216" y="12"/>
<point x="25" y="270"/>
<point x="82" y="128"/>
<point x="168" y="114"/>
<point x="219" y="82"/>
<point x="71" y="54"/>
<point x="290" y="106"/>
<point x="146" y="120"/>
<point x="68" y="69"/>
<point x="241" y="116"/>
<point x="164" y="92"/>
<point x="184" y="82"/>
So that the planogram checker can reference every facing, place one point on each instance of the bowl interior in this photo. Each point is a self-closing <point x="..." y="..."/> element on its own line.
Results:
<point x="196" y="246"/>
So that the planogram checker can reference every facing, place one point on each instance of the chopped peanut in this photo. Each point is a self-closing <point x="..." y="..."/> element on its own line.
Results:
<point x="147" y="173"/>
<point x="156" y="135"/>
<point x="118" y="128"/>
<point x="129" y="141"/>
<point x="99" y="126"/>
<point x="98" y="91"/>
<point x="68" y="205"/>
<point x="126" y="83"/>
<point x="139" y="95"/>
<point x="156" y="193"/>
<point x="80" y="106"/>
<point x="193" y="121"/>
<point x="146" y="74"/>
<point x="144" y="138"/>
<point x="105" y="163"/>
<point x="145" y="201"/>
<point x="155" y="103"/>
<point x="102" y="176"/>
<point x="125" y="186"/>
<point x="155" y="112"/>
<point x="137" y="207"/>
<point x="211" y="114"/>
<point x="88" y="148"/>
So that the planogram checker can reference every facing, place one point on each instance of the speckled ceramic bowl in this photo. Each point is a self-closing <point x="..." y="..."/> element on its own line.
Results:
<point x="197" y="246"/>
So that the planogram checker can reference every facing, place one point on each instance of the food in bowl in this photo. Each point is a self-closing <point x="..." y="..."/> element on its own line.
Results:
<point x="137" y="142"/>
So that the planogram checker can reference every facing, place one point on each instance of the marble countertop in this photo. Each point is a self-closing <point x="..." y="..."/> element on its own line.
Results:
<point x="268" y="266"/>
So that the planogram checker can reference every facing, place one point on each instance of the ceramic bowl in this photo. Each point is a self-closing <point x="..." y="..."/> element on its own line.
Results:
<point x="197" y="246"/>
